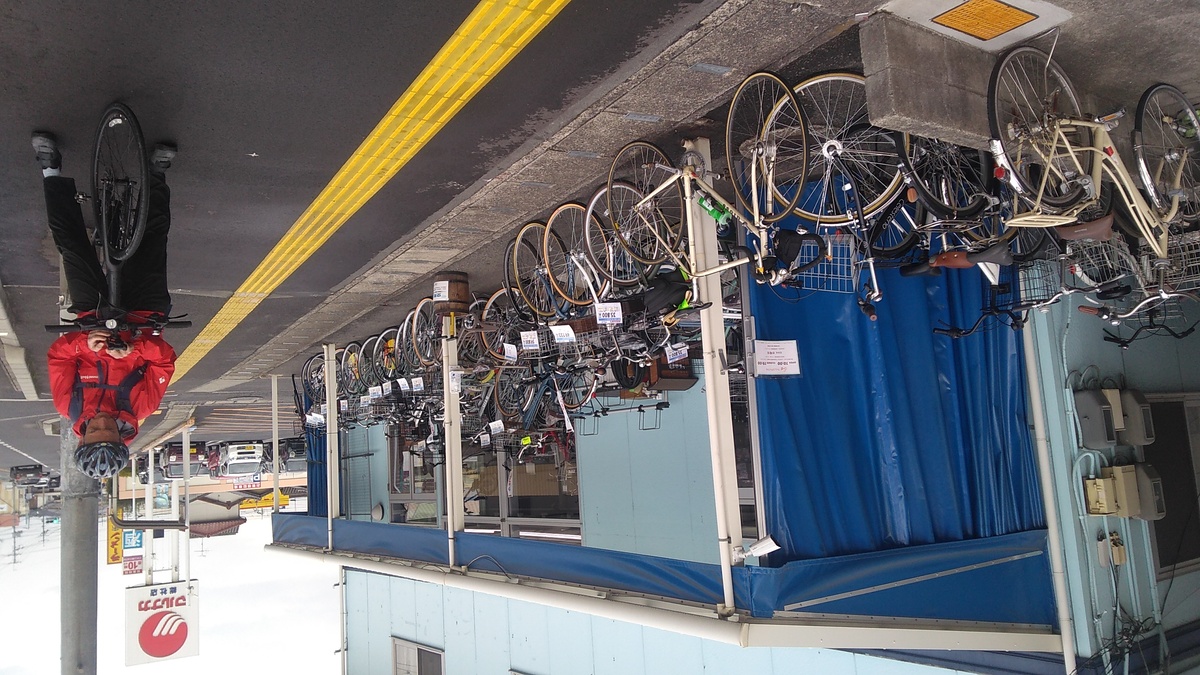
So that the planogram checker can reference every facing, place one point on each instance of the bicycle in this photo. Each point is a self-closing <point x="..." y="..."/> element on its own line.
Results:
<point x="120" y="206"/>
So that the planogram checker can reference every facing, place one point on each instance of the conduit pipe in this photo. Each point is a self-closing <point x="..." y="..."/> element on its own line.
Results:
<point x="1058" y="576"/>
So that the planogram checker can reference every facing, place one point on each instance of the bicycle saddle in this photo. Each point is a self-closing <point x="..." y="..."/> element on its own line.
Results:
<point x="999" y="254"/>
<point x="1094" y="230"/>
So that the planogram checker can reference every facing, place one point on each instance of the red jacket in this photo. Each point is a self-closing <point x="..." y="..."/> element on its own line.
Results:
<point x="79" y="393"/>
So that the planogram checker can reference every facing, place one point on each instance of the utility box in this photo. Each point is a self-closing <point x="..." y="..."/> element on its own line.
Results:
<point x="1125" y="490"/>
<point x="1150" y="492"/>
<point x="1139" y="422"/>
<point x="1100" y="496"/>
<point x="1096" y="424"/>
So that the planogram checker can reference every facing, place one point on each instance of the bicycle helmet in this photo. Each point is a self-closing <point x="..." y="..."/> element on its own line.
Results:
<point x="102" y="459"/>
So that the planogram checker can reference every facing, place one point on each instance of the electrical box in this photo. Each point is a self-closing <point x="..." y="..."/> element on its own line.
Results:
<point x="1100" y="498"/>
<point x="1096" y="423"/>
<point x="1139" y="423"/>
<point x="1150" y="492"/>
<point x="1125" y="490"/>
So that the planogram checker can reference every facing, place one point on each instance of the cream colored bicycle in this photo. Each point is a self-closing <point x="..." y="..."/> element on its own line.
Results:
<point x="1058" y="161"/>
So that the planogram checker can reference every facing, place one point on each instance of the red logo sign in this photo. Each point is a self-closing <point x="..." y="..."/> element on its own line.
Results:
<point x="162" y="634"/>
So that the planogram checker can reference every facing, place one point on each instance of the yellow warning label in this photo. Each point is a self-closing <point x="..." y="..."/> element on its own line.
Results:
<point x="984" y="19"/>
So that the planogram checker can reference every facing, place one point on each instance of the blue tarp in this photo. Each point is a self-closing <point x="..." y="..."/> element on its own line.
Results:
<point x="843" y="585"/>
<point x="317" y="479"/>
<point x="893" y="436"/>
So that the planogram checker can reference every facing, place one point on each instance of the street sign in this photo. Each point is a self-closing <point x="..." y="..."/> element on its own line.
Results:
<point x="162" y="622"/>
<point x="132" y="565"/>
<point x="115" y="548"/>
<point x="133" y="539"/>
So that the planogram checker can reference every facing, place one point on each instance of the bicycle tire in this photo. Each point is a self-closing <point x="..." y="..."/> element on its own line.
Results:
<point x="384" y="355"/>
<point x="509" y="391"/>
<point x="1166" y="129"/>
<point x="120" y="200"/>
<point x="765" y="136"/>
<point x="529" y="273"/>
<point x="407" y="346"/>
<point x="603" y="250"/>
<point x="312" y="378"/>
<point x="581" y="384"/>
<point x="834" y="106"/>
<point x="369" y="376"/>
<point x="566" y="224"/>
<point x="950" y="180"/>
<point x="627" y="373"/>
<point x="500" y="313"/>
<point x="424" y="330"/>
<point x="1017" y="106"/>
<point x="651" y="230"/>
<point x="895" y="231"/>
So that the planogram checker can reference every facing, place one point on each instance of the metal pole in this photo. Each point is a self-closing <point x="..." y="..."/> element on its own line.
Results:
<point x="703" y="243"/>
<point x="1058" y="574"/>
<point x="148" y="534"/>
<point x="331" y="442"/>
<point x="187" y="503"/>
<point x="80" y="561"/>
<point x="174" y="534"/>
<point x="455" y="518"/>
<point x="275" y="437"/>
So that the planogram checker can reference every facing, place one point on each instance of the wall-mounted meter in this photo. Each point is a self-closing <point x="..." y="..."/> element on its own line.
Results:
<point x="1139" y="423"/>
<point x="1096" y="423"/>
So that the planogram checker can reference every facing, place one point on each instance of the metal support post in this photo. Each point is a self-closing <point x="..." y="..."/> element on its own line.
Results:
<point x="175" y="534"/>
<point x="187" y="503"/>
<point x="451" y="384"/>
<point x="148" y="534"/>
<point x="702" y="240"/>
<point x="332" y="508"/>
<point x="80" y="561"/>
<point x="275" y="437"/>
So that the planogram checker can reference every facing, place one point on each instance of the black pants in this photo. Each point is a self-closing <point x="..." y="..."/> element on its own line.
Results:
<point x="143" y="276"/>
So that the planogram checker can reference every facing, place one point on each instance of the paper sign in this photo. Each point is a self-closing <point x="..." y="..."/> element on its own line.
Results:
<point x="496" y="427"/>
<point x="563" y="334"/>
<point x="456" y="380"/>
<point x="375" y="392"/>
<point x="133" y="539"/>
<point x="676" y="353"/>
<point x="324" y="410"/>
<point x="510" y="352"/>
<point x="529" y="341"/>
<point x="608" y="312"/>
<point x="418" y="384"/>
<point x="776" y="357"/>
<point x="132" y="564"/>
<point x="485" y="440"/>
<point x="403" y="384"/>
<point x="441" y="291"/>
<point x="526" y="440"/>
<point x="364" y="401"/>
<point x="386" y="388"/>
<point x="343" y="405"/>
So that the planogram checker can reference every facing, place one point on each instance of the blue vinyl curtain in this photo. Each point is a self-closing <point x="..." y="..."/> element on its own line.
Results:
<point x="893" y="436"/>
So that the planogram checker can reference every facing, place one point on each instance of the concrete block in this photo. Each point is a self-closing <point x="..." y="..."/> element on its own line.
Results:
<point x="967" y="67"/>
<point x="887" y="41"/>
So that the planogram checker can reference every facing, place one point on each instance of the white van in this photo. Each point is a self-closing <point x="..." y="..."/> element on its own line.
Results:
<point x="234" y="458"/>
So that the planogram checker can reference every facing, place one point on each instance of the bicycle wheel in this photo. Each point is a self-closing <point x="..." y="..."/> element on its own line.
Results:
<point x="312" y="376"/>
<point x="119" y="191"/>
<point x="369" y="376"/>
<point x="1027" y="95"/>
<point x="563" y="239"/>
<point x="850" y="162"/>
<point x="766" y="146"/>
<point x="502" y="321"/>
<point x="509" y="392"/>
<point x="612" y="260"/>
<point x="350" y="371"/>
<point x="577" y="387"/>
<point x="647" y="229"/>
<point x="950" y="180"/>
<point x="895" y="231"/>
<point x="426" y="334"/>
<point x="384" y="354"/>
<point x="1168" y="151"/>
<point x="529" y="274"/>
<point x="406" y="347"/>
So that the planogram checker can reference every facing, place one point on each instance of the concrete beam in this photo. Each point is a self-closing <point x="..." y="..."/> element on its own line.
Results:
<point x="924" y="83"/>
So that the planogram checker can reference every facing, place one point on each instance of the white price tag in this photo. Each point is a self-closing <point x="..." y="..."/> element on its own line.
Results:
<point x="563" y="334"/>
<point x="418" y="384"/>
<point x="776" y="357"/>
<point x="441" y="291"/>
<point x="485" y="440"/>
<point x="529" y="341"/>
<point x="343" y="405"/>
<point x="375" y="392"/>
<point x="456" y="380"/>
<point x="403" y="384"/>
<point x="510" y="352"/>
<point x="324" y="410"/>
<point x="676" y="353"/>
<point x="364" y="401"/>
<point x="496" y="427"/>
<point x="608" y="313"/>
<point x="387" y="388"/>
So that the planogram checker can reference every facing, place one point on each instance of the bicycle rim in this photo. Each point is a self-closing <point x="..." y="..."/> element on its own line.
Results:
<point x="529" y="271"/>
<point x="950" y="180"/>
<point x="766" y="146"/>
<point x="1168" y="151"/>
<point x="564" y="236"/>
<point x="606" y="254"/>
<point x="1026" y="94"/>
<point x="424" y="332"/>
<point x="641" y="230"/>
<point x="835" y="110"/>
<point x="120" y="196"/>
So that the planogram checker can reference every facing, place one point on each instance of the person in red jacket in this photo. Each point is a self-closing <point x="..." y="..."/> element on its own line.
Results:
<point x="104" y="385"/>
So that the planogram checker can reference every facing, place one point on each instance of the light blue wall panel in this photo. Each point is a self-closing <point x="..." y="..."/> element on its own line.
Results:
<point x="650" y="491"/>
<point x="402" y="594"/>
<point x="491" y="630"/>
<point x="529" y="641"/>
<point x="617" y="648"/>
<point x="873" y="665"/>
<point x="831" y="661"/>
<point x="725" y="658"/>
<point x="570" y="635"/>
<point x="459" y="625"/>
<point x="667" y="652"/>
<point x="377" y="438"/>
<point x="379" y="620"/>
<point x="428" y="614"/>
<point x="358" y="631"/>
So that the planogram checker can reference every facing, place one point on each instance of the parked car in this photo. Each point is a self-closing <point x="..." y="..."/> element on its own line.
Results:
<point x="46" y="483"/>
<point x="171" y="459"/>
<point x="143" y="476"/>
<point x="232" y="459"/>
<point x="26" y="474"/>
<point x="293" y="458"/>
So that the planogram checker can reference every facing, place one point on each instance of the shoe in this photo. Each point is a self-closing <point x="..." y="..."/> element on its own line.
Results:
<point x="163" y="154"/>
<point x="46" y="147"/>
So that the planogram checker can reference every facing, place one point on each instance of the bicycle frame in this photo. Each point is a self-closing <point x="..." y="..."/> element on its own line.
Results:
<point x="1107" y="162"/>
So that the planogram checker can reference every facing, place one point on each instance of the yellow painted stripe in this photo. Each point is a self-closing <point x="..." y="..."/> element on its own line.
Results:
<point x="495" y="32"/>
